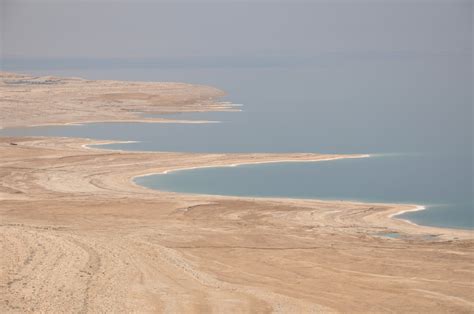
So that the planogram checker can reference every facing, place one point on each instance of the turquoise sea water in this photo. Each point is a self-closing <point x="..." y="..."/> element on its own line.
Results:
<point x="351" y="179"/>
<point x="414" y="113"/>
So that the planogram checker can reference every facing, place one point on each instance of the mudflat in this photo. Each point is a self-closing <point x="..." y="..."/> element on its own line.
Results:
<point x="77" y="235"/>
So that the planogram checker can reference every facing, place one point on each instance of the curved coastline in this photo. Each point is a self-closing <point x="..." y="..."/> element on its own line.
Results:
<point x="211" y="106"/>
<point x="416" y="207"/>
<point x="81" y="236"/>
<point x="391" y="215"/>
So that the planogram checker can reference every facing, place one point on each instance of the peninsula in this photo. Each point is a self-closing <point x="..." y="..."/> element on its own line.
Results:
<point x="77" y="235"/>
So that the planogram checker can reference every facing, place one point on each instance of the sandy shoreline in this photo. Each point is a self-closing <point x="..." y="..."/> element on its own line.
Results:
<point x="256" y="163"/>
<point x="78" y="235"/>
<point x="416" y="209"/>
<point x="391" y="215"/>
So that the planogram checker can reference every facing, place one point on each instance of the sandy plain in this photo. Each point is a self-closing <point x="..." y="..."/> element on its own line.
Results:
<point x="77" y="235"/>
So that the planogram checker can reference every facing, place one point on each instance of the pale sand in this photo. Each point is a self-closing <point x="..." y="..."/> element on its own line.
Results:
<point x="78" y="236"/>
<point x="31" y="101"/>
<point x="316" y="159"/>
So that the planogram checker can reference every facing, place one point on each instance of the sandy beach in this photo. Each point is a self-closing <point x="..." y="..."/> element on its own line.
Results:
<point x="78" y="235"/>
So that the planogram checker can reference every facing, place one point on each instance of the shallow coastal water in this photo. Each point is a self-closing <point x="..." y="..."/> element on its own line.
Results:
<point x="374" y="179"/>
<point x="412" y="112"/>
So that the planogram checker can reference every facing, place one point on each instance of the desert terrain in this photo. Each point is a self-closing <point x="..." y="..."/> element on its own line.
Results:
<point x="77" y="235"/>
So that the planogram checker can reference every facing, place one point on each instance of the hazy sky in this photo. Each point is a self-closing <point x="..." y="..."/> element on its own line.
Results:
<point x="244" y="28"/>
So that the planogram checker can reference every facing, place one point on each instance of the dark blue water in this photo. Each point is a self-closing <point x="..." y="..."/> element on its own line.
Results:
<point x="415" y="111"/>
